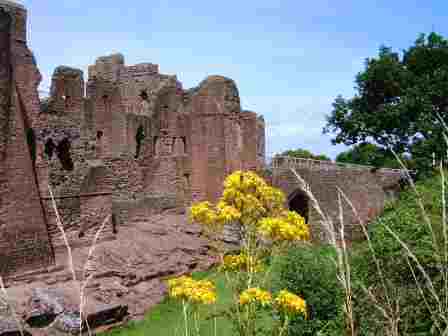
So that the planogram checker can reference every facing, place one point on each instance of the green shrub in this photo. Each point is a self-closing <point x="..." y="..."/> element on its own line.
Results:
<point x="310" y="272"/>
<point x="406" y="219"/>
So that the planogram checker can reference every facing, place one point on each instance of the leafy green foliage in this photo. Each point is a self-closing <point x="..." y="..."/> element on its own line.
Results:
<point x="398" y="100"/>
<point x="372" y="155"/>
<point x="310" y="272"/>
<point x="406" y="219"/>
<point x="305" y="154"/>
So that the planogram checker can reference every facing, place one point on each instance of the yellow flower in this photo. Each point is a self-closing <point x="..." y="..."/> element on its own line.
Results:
<point x="291" y="226"/>
<point x="241" y="262"/>
<point x="255" y="295"/>
<point x="250" y="201"/>
<point x="287" y="302"/>
<point x="194" y="291"/>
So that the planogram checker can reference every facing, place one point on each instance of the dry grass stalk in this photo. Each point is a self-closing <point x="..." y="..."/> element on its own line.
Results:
<point x="342" y="261"/>
<point x="82" y="283"/>
<point x="345" y="271"/>
<point x="390" y="315"/>
<point x="85" y="281"/>
<point x="389" y="311"/>
<point x="64" y="236"/>
<point x="440" y="313"/>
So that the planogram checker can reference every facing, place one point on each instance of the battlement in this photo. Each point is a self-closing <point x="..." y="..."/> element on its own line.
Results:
<point x="143" y="69"/>
<point x="287" y="162"/>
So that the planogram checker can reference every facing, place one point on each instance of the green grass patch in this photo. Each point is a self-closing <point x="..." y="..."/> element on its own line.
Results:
<point x="166" y="318"/>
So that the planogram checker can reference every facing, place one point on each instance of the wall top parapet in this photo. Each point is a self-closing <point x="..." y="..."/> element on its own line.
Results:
<point x="285" y="162"/>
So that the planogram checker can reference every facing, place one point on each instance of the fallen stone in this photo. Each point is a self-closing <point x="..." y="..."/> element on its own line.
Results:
<point x="10" y="327"/>
<point x="69" y="323"/>
<point x="106" y="314"/>
<point x="44" y="306"/>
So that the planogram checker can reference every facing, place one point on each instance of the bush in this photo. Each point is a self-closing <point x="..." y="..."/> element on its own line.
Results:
<point x="310" y="272"/>
<point x="405" y="218"/>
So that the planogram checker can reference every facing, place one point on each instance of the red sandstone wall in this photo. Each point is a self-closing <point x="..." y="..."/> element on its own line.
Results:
<point x="363" y="187"/>
<point x="208" y="149"/>
<point x="250" y="144"/>
<point x="24" y="241"/>
<point x="192" y="141"/>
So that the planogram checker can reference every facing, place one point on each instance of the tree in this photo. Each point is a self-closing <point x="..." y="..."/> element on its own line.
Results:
<point x="369" y="154"/>
<point x="399" y="100"/>
<point x="304" y="154"/>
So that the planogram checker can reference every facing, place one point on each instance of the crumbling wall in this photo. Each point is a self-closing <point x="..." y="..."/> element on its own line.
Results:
<point x="96" y="201"/>
<point x="133" y="144"/>
<point x="63" y="150"/>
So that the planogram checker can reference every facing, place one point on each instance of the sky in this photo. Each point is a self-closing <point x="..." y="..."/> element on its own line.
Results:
<point x="290" y="59"/>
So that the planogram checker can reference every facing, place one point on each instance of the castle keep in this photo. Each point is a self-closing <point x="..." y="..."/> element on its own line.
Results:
<point x="127" y="142"/>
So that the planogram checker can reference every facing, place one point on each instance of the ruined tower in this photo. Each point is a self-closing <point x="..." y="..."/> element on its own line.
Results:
<point x="24" y="239"/>
<point x="126" y="144"/>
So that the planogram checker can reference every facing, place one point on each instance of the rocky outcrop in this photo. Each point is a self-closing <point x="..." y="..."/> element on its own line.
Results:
<point x="126" y="276"/>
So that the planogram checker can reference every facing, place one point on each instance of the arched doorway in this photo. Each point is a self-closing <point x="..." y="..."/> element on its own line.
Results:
<point x="298" y="202"/>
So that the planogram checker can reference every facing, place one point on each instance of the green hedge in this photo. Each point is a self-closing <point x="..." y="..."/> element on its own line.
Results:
<point x="310" y="272"/>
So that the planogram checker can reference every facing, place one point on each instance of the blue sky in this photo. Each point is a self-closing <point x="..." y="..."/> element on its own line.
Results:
<point x="290" y="59"/>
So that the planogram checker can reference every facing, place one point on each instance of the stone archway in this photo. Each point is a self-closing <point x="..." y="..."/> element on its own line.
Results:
<point x="298" y="202"/>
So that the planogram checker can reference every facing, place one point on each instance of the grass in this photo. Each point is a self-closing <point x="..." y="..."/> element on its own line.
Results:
<point x="166" y="317"/>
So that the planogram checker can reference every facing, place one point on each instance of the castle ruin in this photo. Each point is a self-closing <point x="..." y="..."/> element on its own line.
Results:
<point x="128" y="142"/>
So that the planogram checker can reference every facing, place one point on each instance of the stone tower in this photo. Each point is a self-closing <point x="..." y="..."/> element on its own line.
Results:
<point x="24" y="239"/>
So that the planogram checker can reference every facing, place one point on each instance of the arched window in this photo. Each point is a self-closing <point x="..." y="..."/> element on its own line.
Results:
<point x="298" y="202"/>
<point x="139" y="137"/>
<point x="144" y="95"/>
<point x="49" y="148"/>
<point x="63" y="152"/>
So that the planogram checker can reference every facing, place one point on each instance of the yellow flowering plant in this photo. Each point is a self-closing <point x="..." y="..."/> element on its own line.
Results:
<point x="192" y="293"/>
<point x="255" y="295"/>
<point x="265" y="228"/>
<point x="241" y="262"/>
<point x="289" y="303"/>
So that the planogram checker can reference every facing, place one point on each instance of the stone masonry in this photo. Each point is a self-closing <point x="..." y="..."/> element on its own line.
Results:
<point x="128" y="142"/>
<point x="24" y="238"/>
<point x="367" y="188"/>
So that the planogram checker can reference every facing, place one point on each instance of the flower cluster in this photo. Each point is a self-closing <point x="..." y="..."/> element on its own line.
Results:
<point x="291" y="226"/>
<point x="241" y="262"/>
<point x="212" y="217"/>
<point x="250" y="194"/>
<point x="290" y="303"/>
<point x="255" y="295"/>
<point x="194" y="291"/>
<point x="246" y="198"/>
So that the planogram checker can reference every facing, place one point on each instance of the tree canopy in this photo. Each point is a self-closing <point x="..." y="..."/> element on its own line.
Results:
<point x="400" y="101"/>
<point x="369" y="154"/>
<point x="304" y="154"/>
